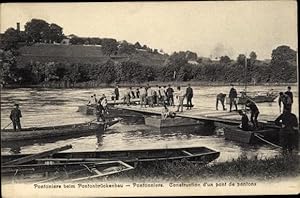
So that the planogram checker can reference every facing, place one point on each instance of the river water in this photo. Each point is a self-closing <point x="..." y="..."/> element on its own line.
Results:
<point x="46" y="107"/>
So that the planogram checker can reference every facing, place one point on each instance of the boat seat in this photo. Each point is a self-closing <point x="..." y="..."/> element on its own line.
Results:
<point x="186" y="152"/>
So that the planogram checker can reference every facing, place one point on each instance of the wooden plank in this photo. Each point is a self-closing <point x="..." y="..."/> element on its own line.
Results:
<point x="38" y="155"/>
<point x="100" y="174"/>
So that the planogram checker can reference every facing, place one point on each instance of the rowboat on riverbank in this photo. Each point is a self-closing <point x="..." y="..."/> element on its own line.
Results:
<point x="157" y="122"/>
<point x="56" y="131"/>
<point x="235" y="133"/>
<point x="128" y="158"/>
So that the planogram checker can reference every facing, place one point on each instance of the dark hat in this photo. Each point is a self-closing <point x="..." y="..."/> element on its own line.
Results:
<point x="16" y="104"/>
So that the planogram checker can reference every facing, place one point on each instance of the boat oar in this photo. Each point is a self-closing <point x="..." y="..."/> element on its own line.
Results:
<point x="7" y="126"/>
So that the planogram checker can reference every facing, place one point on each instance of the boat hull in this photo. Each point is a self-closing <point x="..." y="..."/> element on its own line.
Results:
<point x="201" y="155"/>
<point x="239" y="135"/>
<point x="156" y="121"/>
<point x="55" y="131"/>
<point x="257" y="99"/>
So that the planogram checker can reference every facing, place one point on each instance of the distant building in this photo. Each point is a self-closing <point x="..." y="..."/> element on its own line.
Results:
<point x="193" y="62"/>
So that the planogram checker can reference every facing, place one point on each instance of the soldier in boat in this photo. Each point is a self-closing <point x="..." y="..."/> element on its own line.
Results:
<point x="232" y="98"/>
<point x="289" y="131"/>
<point x="92" y="102"/>
<point x="290" y="94"/>
<point x="165" y="113"/>
<point x="100" y="112"/>
<point x="245" y="121"/>
<point x="15" y="116"/>
<point x="221" y="98"/>
<point x="286" y="101"/>
<point x="254" y="112"/>
<point x="103" y="102"/>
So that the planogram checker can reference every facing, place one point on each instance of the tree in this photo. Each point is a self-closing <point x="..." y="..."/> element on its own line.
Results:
<point x="283" y="64"/>
<point x="10" y="39"/>
<point x="191" y="55"/>
<point x="253" y="56"/>
<point x="55" y="33"/>
<point x="109" y="46"/>
<point x="8" y="67"/>
<point x="126" y="48"/>
<point x="241" y="59"/>
<point x="224" y="60"/>
<point x="77" y="40"/>
<point x="283" y="54"/>
<point x="37" y="30"/>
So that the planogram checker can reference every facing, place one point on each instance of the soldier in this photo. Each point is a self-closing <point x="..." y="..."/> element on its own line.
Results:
<point x="221" y="98"/>
<point x="232" y="98"/>
<point x="15" y="116"/>
<point x="286" y="101"/>
<point x="290" y="94"/>
<point x="289" y="130"/>
<point x="100" y="112"/>
<point x="189" y="95"/>
<point x="254" y="113"/>
<point x="117" y="94"/>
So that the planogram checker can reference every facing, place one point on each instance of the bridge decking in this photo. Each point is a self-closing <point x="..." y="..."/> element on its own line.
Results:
<point x="200" y="113"/>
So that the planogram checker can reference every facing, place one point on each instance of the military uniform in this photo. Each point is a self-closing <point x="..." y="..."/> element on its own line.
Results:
<point x="15" y="116"/>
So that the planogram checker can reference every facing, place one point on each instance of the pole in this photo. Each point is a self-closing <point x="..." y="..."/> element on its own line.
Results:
<point x="245" y="72"/>
<point x="7" y="126"/>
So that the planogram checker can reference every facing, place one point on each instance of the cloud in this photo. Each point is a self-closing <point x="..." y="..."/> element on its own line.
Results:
<point x="220" y="50"/>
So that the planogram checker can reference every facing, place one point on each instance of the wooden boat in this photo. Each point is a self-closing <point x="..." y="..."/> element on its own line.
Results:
<point x="196" y="154"/>
<point x="258" y="98"/>
<point x="129" y="158"/>
<point x="235" y="133"/>
<point x="156" y="121"/>
<point x="56" y="131"/>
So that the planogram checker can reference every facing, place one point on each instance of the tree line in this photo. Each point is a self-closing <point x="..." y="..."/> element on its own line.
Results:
<point x="177" y="67"/>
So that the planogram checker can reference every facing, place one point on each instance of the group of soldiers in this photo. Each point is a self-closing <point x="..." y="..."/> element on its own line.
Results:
<point x="165" y="96"/>
<point x="158" y="95"/>
<point x="287" y="121"/>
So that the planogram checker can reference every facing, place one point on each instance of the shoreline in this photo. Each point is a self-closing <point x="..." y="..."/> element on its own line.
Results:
<point x="89" y="85"/>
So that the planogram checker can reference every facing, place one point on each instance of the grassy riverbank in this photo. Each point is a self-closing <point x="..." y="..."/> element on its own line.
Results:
<point x="236" y="169"/>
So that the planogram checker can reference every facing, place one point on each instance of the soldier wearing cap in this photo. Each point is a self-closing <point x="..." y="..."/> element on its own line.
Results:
<point x="15" y="116"/>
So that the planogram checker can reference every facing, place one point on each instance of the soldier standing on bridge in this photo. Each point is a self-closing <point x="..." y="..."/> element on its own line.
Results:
<point x="221" y="98"/>
<point x="232" y="98"/>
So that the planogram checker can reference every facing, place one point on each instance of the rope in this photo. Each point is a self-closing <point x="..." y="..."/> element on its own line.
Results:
<point x="266" y="141"/>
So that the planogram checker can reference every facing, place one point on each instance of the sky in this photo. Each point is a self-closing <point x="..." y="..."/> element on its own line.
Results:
<point x="211" y="29"/>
